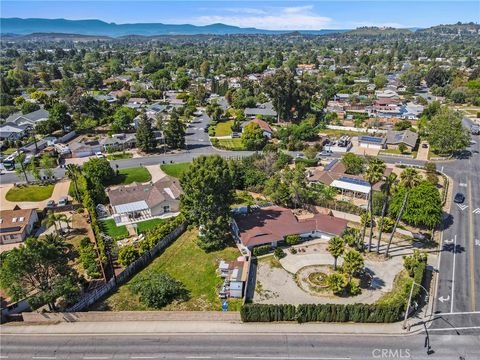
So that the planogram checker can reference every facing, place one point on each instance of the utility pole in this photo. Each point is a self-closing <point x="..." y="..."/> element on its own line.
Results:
<point x="410" y="300"/>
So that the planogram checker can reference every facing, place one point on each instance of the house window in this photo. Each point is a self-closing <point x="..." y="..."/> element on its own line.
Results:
<point x="166" y="208"/>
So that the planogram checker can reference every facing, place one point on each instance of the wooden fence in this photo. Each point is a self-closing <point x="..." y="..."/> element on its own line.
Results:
<point x="92" y="297"/>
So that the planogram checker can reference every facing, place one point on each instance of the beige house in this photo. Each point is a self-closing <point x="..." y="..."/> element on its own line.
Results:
<point x="137" y="202"/>
<point x="16" y="225"/>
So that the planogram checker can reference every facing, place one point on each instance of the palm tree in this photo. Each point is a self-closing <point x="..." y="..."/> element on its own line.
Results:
<point x="336" y="247"/>
<point x="21" y="170"/>
<point x="57" y="241"/>
<point x="52" y="219"/>
<point x="72" y="172"/>
<point x="374" y="173"/>
<point x="387" y="192"/>
<point x="409" y="179"/>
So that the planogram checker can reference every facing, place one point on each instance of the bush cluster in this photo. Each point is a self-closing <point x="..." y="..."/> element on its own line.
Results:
<point x="261" y="250"/>
<point x="321" y="313"/>
<point x="88" y="257"/>
<point x="292" y="239"/>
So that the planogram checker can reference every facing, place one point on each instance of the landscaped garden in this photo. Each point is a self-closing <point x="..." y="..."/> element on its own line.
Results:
<point x="111" y="229"/>
<point x="185" y="262"/>
<point x="128" y="176"/>
<point x="175" y="170"/>
<point x="30" y="192"/>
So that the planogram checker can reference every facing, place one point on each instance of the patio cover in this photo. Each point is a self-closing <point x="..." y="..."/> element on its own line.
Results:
<point x="131" y="207"/>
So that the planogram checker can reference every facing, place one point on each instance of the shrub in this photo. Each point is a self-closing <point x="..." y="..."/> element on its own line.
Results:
<point x="158" y="289"/>
<point x="127" y="255"/>
<point x="292" y="239"/>
<point x="261" y="250"/>
<point x="279" y="253"/>
<point x="337" y="282"/>
<point x="88" y="257"/>
<point x="293" y="251"/>
<point x="365" y="217"/>
<point x="353" y="288"/>
<point x="387" y="225"/>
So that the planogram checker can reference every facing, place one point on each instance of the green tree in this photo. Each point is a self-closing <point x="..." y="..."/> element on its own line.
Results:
<point x="387" y="192"/>
<point x="39" y="267"/>
<point x="373" y="174"/>
<point x="59" y="116"/>
<point x="207" y="196"/>
<point x="28" y="107"/>
<point x="33" y="168"/>
<point x="281" y="87"/>
<point x="123" y="118"/>
<point x="336" y="247"/>
<point x="98" y="170"/>
<point x="204" y="68"/>
<point x="21" y="168"/>
<point x="52" y="219"/>
<point x="380" y="81"/>
<point x="253" y="137"/>
<point x="446" y="133"/>
<point x="352" y="263"/>
<point x="73" y="172"/>
<point x="145" y="137"/>
<point x="437" y="76"/>
<point x="409" y="179"/>
<point x="337" y="282"/>
<point x="48" y="163"/>
<point x="127" y="255"/>
<point x="175" y="132"/>
<point x="354" y="164"/>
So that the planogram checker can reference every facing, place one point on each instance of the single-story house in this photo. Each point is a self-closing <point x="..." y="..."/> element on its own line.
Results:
<point x="265" y="109"/>
<point x="86" y="148"/>
<point x="136" y="202"/>
<point x="135" y="103"/>
<point x="269" y="226"/>
<point x="16" y="225"/>
<point x="371" y="142"/>
<point x="405" y="137"/>
<point x="267" y="129"/>
<point x="12" y="131"/>
<point x="118" y="142"/>
<point x="108" y="98"/>
<point x="28" y="120"/>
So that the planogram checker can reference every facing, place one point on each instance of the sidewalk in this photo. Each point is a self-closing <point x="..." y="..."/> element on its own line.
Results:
<point x="203" y="327"/>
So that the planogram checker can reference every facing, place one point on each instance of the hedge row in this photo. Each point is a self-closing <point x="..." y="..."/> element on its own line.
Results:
<point x="321" y="313"/>
<point x="261" y="250"/>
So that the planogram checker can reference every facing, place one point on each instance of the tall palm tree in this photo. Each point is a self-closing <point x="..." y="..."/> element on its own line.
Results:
<point x="52" y="219"/>
<point x="373" y="174"/>
<point x="57" y="241"/>
<point x="72" y="172"/>
<point x="387" y="191"/>
<point x="409" y="179"/>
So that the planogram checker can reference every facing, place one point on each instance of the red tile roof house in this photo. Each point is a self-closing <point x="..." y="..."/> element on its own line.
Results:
<point x="270" y="225"/>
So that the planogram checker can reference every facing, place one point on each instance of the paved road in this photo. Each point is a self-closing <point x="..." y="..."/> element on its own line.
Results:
<point x="458" y="294"/>
<point x="239" y="346"/>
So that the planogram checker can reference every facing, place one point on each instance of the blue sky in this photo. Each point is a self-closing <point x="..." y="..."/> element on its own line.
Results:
<point x="281" y="15"/>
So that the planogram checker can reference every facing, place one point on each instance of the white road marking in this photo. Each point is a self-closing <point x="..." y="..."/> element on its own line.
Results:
<point x="476" y="211"/>
<point x="453" y="272"/>
<point x="442" y="299"/>
<point x="460" y="313"/>
<point x="462" y="185"/>
<point x="143" y="357"/>
<point x="198" y="357"/>
<point x="96" y="357"/>
<point x="456" y="328"/>
<point x="43" y="357"/>
<point x="291" y="358"/>
<point x="477" y="242"/>
<point x="462" y="207"/>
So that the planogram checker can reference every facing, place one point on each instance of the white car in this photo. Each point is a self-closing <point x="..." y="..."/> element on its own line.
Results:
<point x="99" y="155"/>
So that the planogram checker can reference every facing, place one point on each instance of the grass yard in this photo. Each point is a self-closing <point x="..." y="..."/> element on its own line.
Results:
<point x="146" y="225"/>
<point x="186" y="262"/>
<point x="398" y="292"/>
<point x="128" y="176"/>
<point x="9" y="151"/>
<point x="119" y="156"/>
<point x="30" y="192"/>
<point x="231" y="144"/>
<point x="175" y="170"/>
<point x="111" y="229"/>
<point x="338" y="133"/>
<point x="224" y="128"/>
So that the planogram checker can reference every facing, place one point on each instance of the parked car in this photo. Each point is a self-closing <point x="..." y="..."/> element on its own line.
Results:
<point x="99" y="155"/>
<point x="325" y="153"/>
<point x="459" y="198"/>
<point x="424" y="145"/>
<point x="63" y="201"/>
<point x="50" y="204"/>
<point x="300" y="155"/>
<point x="235" y="135"/>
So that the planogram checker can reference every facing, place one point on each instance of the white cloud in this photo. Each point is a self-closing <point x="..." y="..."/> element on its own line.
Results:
<point x="275" y="18"/>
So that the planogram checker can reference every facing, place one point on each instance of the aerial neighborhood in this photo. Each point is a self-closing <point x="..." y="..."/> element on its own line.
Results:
<point x="251" y="173"/>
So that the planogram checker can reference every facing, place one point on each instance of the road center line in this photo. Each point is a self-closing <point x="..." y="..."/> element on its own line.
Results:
<point x="472" y="250"/>
<point x="453" y="271"/>
<point x="291" y="358"/>
<point x="456" y="328"/>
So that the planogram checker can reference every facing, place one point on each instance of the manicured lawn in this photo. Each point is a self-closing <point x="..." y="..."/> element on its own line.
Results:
<point x="186" y="262"/>
<point x="30" y="192"/>
<point x="119" y="156"/>
<point x="224" y="128"/>
<point x="111" y="229"/>
<point x="175" y="170"/>
<point x="128" y="176"/>
<point x="146" y="225"/>
<point x="231" y="144"/>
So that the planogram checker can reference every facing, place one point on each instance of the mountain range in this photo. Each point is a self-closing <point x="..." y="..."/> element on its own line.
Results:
<point x="20" y="26"/>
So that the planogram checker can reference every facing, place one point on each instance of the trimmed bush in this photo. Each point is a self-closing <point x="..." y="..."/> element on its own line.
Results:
<point x="267" y="313"/>
<point x="292" y="239"/>
<point x="261" y="250"/>
<point x="279" y="253"/>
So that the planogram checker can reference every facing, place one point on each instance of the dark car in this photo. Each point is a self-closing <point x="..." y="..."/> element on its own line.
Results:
<point x="424" y="146"/>
<point x="459" y="198"/>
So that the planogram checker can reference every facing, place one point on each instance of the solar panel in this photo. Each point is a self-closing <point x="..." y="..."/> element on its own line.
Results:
<point x="371" y="139"/>
<point x="354" y="181"/>
<point x="329" y="166"/>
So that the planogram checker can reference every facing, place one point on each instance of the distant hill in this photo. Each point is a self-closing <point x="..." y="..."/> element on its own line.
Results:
<point x="97" y="27"/>
<point x="377" y="31"/>
<point x="453" y="29"/>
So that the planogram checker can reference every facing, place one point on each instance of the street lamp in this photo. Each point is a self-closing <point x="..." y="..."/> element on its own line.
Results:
<point x="410" y="300"/>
